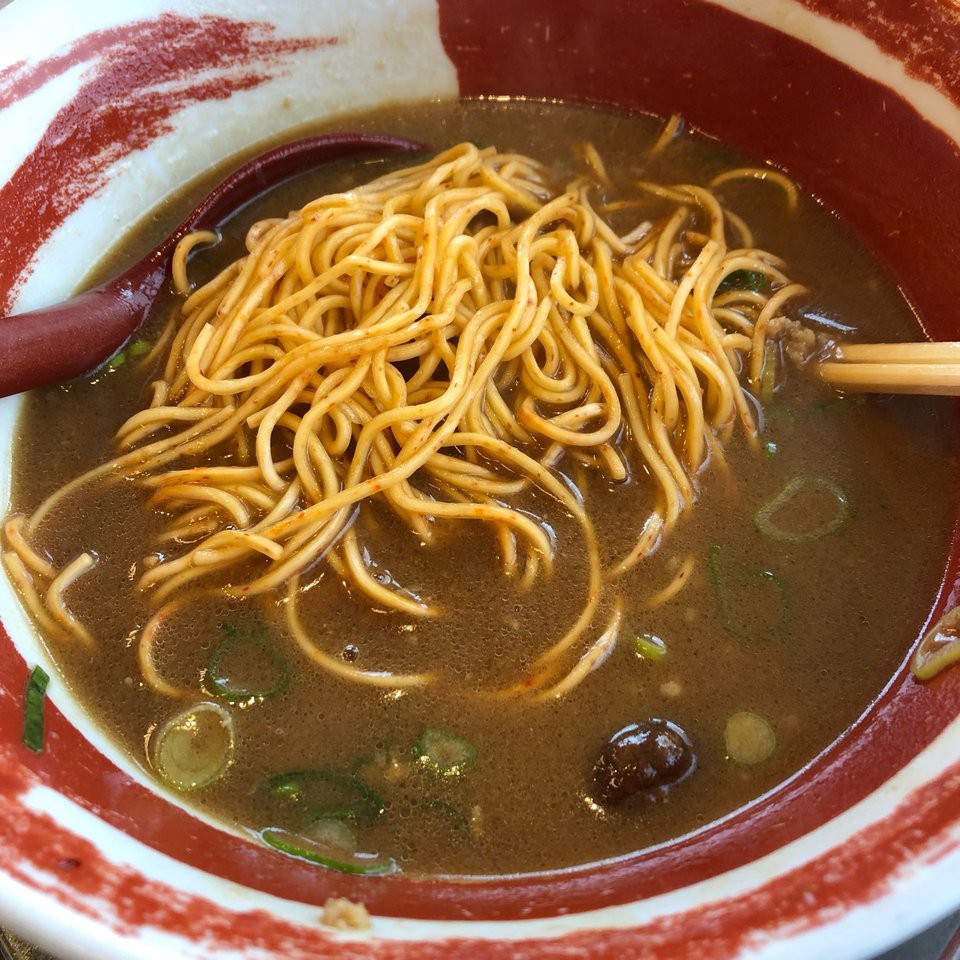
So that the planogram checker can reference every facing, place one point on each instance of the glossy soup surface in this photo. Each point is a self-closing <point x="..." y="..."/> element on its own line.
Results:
<point x="802" y="634"/>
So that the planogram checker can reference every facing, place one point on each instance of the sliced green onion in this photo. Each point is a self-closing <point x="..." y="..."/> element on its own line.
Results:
<point x="940" y="647"/>
<point x="304" y="848"/>
<point x="726" y="583"/>
<point x="770" y="449"/>
<point x="648" y="646"/>
<point x="333" y="834"/>
<point x="764" y="517"/>
<point x="359" y="765"/>
<point x="219" y="678"/>
<point x="743" y="280"/>
<point x="390" y="762"/>
<point x="748" y="738"/>
<point x="329" y="795"/>
<point x="33" y="702"/>
<point x="450" y="812"/>
<point x="138" y="348"/>
<point x="195" y="747"/>
<point x="444" y="753"/>
<point x="768" y="372"/>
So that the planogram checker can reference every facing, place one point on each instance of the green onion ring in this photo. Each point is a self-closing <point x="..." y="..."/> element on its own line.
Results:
<point x="763" y="518"/>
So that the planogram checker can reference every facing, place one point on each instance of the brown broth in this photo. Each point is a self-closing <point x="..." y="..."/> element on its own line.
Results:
<point x="857" y="598"/>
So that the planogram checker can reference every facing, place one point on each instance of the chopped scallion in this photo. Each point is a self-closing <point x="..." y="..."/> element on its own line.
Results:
<point x="333" y="834"/>
<point x="768" y="372"/>
<point x="743" y="280"/>
<point x="318" y="852"/>
<point x="244" y="655"/>
<point x="748" y="738"/>
<point x="34" y="699"/>
<point x="195" y="747"/>
<point x="739" y="617"/>
<point x="444" y="753"/>
<point x="328" y="795"/>
<point x="648" y="646"/>
<point x="139" y="348"/>
<point x="764" y="517"/>
<point x="449" y="811"/>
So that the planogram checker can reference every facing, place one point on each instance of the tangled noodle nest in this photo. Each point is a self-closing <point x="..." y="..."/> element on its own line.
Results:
<point x="440" y="339"/>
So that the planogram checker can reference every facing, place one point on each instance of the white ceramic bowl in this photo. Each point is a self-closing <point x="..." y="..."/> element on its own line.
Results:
<point x="107" y="108"/>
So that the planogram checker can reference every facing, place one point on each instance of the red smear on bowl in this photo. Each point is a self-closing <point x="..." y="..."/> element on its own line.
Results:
<point x="139" y="75"/>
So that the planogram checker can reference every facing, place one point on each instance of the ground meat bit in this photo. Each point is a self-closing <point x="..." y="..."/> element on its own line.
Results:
<point x="799" y="342"/>
<point x="345" y="914"/>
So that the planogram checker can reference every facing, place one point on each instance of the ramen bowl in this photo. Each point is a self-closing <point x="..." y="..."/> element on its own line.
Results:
<point x="108" y="110"/>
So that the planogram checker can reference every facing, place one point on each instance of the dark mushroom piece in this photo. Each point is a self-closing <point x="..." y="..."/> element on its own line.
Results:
<point x="640" y="758"/>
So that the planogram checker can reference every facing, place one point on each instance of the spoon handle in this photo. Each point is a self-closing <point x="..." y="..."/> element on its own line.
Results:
<point x="68" y="339"/>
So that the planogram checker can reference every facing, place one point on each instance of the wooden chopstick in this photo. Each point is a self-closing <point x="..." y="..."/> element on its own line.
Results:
<point x="921" y="368"/>
<point x="930" y="352"/>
